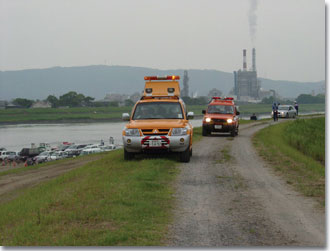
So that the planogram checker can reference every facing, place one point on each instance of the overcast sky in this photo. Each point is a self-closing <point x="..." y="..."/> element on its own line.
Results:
<point x="289" y="35"/>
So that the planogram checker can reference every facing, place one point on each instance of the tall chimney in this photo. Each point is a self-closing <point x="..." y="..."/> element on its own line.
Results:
<point x="254" y="59"/>
<point x="244" y="60"/>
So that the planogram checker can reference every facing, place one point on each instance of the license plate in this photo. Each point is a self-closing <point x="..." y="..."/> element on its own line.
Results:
<point x="217" y="126"/>
<point x="155" y="143"/>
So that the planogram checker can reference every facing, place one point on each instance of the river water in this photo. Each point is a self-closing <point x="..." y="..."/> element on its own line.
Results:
<point x="16" y="137"/>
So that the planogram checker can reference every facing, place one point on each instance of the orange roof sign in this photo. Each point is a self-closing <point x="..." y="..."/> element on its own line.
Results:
<point x="161" y="88"/>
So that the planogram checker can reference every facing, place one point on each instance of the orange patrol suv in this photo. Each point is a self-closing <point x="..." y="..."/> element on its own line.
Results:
<point x="159" y="121"/>
<point x="221" y="116"/>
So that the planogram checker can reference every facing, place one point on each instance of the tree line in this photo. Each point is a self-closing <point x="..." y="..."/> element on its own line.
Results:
<point x="301" y="99"/>
<point x="70" y="99"/>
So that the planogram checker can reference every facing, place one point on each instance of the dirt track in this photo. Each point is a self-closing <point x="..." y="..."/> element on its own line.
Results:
<point x="11" y="185"/>
<point x="240" y="202"/>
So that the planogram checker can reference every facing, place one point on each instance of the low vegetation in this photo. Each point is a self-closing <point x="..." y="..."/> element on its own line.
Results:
<point x="297" y="150"/>
<point x="111" y="113"/>
<point x="308" y="136"/>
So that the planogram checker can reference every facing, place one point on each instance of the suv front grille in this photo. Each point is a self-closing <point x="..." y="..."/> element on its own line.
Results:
<point x="219" y="120"/>
<point x="151" y="132"/>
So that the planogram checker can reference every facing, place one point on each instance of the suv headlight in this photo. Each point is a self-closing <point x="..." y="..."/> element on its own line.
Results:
<point x="229" y="121"/>
<point x="208" y="120"/>
<point x="132" y="132"/>
<point x="179" y="131"/>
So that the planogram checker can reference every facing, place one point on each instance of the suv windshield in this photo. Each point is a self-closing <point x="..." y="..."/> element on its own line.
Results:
<point x="221" y="109"/>
<point x="282" y="107"/>
<point x="158" y="110"/>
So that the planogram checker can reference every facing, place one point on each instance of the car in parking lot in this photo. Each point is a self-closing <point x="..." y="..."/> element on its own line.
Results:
<point x="42" y="157"/>
<point x="8" y="155"/>
<point x="286" y="111"/>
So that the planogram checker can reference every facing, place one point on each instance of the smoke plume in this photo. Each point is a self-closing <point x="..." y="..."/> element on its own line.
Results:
<point x="253" y="20"/>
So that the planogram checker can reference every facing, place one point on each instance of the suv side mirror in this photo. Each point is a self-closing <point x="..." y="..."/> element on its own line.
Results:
<point x="125" y="117"/>
<point x="190" y="115"/>
<point x="203" y="111"/>
<point x="237" y="112"/>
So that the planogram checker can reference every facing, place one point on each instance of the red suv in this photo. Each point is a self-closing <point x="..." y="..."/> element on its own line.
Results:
<point x="221" y="116"/>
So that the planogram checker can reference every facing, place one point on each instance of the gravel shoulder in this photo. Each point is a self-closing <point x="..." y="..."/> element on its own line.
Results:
<point x="240" y="201"/>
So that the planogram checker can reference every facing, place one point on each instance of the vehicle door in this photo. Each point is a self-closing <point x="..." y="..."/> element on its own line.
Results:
<point x="291" y="111"/>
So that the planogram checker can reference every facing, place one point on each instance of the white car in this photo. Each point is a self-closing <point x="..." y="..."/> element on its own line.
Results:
<point x="4" y="155"/>
<point x="42" y="157"/>
<point x="108" y="148"/>
<point x="286" y="111"/>
<point x="91" y="149"/>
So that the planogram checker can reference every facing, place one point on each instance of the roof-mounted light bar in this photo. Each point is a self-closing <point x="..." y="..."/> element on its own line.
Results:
<point x="162" y="78"/>
<point x="229" y="98"/>
<point x="216" y="98"/>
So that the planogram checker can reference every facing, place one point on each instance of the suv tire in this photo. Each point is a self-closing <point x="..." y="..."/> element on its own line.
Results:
<point x="205" y="132"/>
<point x="185" y="155"/>
<point x="233" y="133"/>
<point x="128" y="155"/>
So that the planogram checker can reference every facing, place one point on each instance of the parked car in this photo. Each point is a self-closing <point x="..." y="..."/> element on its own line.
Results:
<point x="42" y="157"/>
<point x="108" y="148"/>
<point x="91" y="149"/>
<point x="14" y="156"/>
<point x="7" y="155"/>
<point x="74" y="150"/>
<point x="26" y="153"/>
<point x="286" y="111"/>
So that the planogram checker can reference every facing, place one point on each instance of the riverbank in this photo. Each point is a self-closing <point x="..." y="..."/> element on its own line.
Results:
<point x="114" y="114"/>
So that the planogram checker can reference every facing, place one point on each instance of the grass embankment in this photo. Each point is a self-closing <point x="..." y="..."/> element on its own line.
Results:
<point x="249" y="109"/>
<point x="62" y="114"/>
<point x="94" y="114"/>
<point x="108" y="202"/>
<point x="297" y="150"/>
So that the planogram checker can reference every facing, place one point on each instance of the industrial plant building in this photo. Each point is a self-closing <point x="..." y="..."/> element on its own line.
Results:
<point x="246" y="83"/>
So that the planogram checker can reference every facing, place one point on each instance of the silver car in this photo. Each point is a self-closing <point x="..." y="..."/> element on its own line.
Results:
<point x="286" y="111"/>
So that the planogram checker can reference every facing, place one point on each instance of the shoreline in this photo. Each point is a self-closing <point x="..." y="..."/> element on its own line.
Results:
<point x="84" y="120"/>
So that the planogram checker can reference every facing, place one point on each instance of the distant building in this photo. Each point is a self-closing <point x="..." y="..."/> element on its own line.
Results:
<point x="185" y="89"/>
<point x="41" y="104"/>
<point x="246" y="83"/>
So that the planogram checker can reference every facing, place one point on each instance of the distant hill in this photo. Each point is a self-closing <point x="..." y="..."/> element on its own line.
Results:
<point x="98" y="80"/>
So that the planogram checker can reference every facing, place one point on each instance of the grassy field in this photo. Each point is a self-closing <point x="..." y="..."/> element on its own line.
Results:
<point x="248" y="109"/>
<point x="297" y="150"/>
<point x="108" y="202"/>
<point x="113" y="113"/>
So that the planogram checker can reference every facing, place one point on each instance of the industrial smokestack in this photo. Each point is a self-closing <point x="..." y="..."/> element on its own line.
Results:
<point x="254" y="60"/>
<point x="244" y="60"/>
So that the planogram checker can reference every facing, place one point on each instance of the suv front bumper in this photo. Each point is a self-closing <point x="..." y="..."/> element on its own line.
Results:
<point x="155" y="142"/>
<point x="216" y="127"/>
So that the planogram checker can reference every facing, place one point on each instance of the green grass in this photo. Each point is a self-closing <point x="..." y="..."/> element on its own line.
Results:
<point x="114" y="113"/>
<point x="58" y="114"/>
<point x="37" y="166"/>
<point x="308" y="136"/>
<point x="248" y="109"/>
<point x="108" y="202"/>
<point x="304" y="171"/>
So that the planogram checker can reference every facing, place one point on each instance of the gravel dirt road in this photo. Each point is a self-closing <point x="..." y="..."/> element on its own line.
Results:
<point x="239" y="201"/>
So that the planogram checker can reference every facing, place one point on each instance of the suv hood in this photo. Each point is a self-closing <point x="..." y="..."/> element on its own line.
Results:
<point x="220" y="116"/>
<point x="156" y="123"/>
